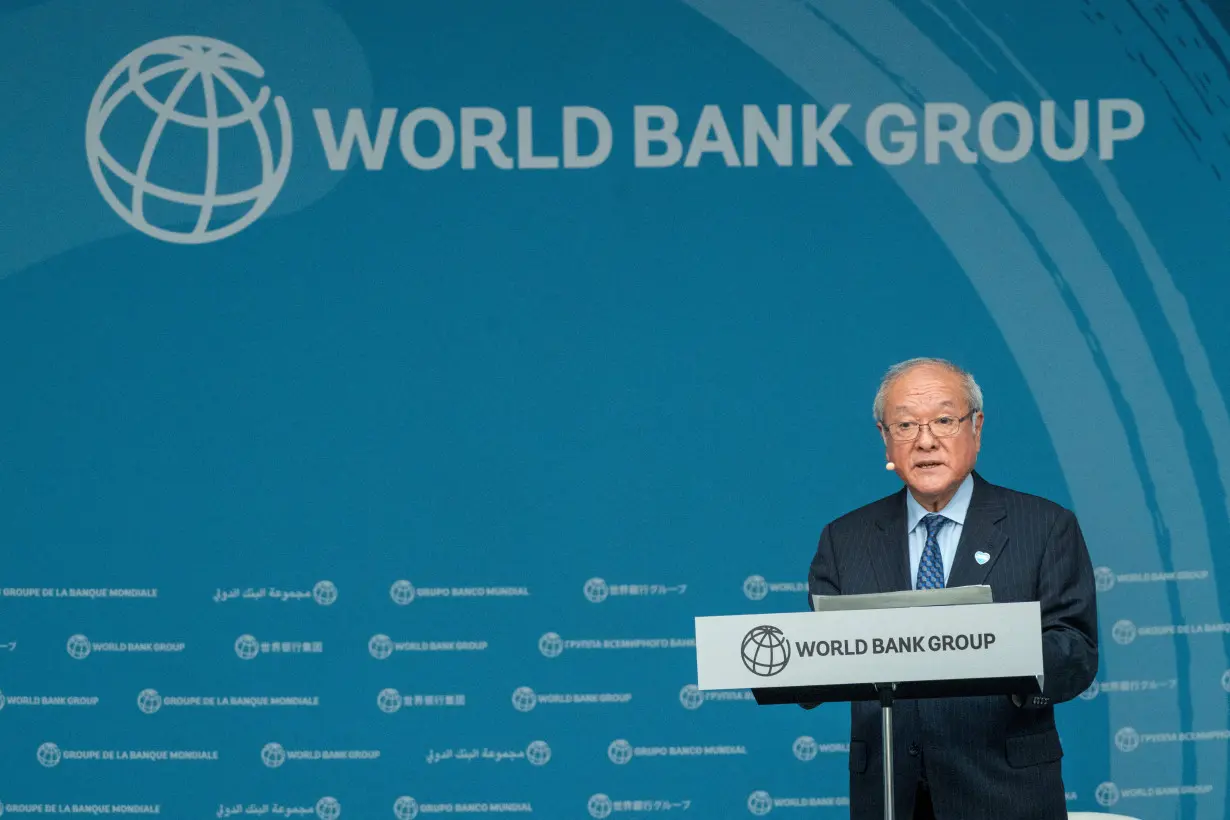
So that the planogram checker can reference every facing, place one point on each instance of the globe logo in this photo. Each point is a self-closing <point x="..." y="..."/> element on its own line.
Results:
<point x="524" y="699"/>
<point x="805" y="748"/>
<point x="538" y="753"/>
<point x="48" y="755"/>
<point x="1" y="700"/>
<point x="405" y="808"/>
<point x="246" y="647"/>
<point x="273" y="755"/>
<point x="691" y="697"/>
<point x="1127" y="739"/>
<point x="1225" y="682"/>
<point x="1091" y="692"/>
<point x="389" y="701"/>
<point x="327" y="808"/>
<point x="78" y="647"/>
<point x="600" y="806"/>
<point x="596" y="590"/>
<point x="1124" y="632"/>
<point x="402" y="592"/>
<point x="551" y="645"/>
<point x="149" y="701"/>
<point x="380" y="647"/>
<point x="1103" y="579"/>
<point x="203" y="104"/>
<point x="324" y="593"/>
<point x="1107" y="794"/>
<point x="765" y="651"/>
<point x="759" y="803"/>
<point x="755" y="587"/>
<point x="620" y="752"/>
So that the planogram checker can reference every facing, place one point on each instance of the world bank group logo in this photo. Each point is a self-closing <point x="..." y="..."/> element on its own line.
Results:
<point x="149" y="701"/>
<point x="538" y="753"/>
<point x="324" y="593"/>
<point x="805" y="748"/>
<point x="247" y="647"/>
<point x="78" y="647"/>
<point x="389" y="701"/>
<point x="380" y="647"/>
<point x="273" y="755"/>
<point x="1104" y="579"/>
<point x="402" y="592"/>
<point x="1127" y="739"/>
<point x="765" y="651"/>
<point x="600" y="806"/>
<point x="405" y="808"/>
<point x="48" y="755"/>
<point x="328" y="808"/>
<point x="755" y="587"/>
<point x="1092" y="691"/>
<point x="186" y="95"/>
<point x="691" y="698"/>
<point x="596" y="590"/>
<point x="1124" y="632"/>
<point x="619" y="752"/>
<point x="759" y="803"/>
<point x="1107" y="794"/>
<point x="524" y="699"/>
<point x="1225" y="683"/>
<point x="1" y="700"/>
<point x="551" y="645"/>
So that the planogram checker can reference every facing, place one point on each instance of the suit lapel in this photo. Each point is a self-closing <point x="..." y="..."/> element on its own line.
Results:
<point x="890" y="547"/>
<point x="979" y="534"/>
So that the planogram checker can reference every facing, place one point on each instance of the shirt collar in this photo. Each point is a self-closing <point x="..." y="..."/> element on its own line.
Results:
<point x="955" y="510"/>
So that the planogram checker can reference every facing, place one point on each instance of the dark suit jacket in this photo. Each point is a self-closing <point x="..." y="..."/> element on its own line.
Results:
<point x="983" y="757"/>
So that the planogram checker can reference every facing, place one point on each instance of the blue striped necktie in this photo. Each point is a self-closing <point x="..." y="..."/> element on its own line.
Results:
<point x="931" y="565"/>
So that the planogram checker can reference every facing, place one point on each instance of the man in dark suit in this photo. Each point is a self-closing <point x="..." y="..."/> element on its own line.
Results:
<point x="973" y="758"/>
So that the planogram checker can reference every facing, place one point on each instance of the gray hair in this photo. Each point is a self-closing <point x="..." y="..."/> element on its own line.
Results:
<point x="973" y="393"/>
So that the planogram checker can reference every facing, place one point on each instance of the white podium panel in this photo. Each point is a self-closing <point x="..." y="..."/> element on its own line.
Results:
<point x="924" y="643"/>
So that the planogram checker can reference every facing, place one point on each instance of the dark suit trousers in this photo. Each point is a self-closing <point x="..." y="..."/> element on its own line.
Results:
<point x="922" y="804"/>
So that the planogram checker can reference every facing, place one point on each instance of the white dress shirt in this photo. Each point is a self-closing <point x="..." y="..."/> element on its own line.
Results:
<point x="949" y="534"/>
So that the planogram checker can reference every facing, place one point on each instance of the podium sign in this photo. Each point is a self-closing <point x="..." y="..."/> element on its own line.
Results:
<point x="925" y="643"/>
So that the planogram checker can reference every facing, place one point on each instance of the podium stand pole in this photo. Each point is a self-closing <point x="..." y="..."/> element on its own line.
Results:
<point x="886" y="691"/>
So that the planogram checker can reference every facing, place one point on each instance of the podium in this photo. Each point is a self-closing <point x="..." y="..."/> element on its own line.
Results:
<point x="951" y="642"/>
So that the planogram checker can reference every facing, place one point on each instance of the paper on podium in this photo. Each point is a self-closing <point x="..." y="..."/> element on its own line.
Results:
<point x="946" y="596"/>
<point x="949" y="596"/>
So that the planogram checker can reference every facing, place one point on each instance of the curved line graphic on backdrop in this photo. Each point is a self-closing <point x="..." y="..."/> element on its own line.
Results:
<point x="1174" y="306"/>
<point x="1209" y="398"/>
<point x="863" y="54"/>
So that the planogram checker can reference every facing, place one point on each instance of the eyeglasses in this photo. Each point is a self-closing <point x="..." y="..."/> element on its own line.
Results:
<point x="942" y="427"/>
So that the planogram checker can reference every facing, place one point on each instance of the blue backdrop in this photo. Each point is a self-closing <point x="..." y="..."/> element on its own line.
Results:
<point x="386" y="386"/>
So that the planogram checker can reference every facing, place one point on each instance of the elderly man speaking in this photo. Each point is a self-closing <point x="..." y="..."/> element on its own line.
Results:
<point x="973" y="758"/>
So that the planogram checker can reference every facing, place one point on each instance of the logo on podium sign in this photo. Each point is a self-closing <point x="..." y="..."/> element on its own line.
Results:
<point x="765" y="651"/>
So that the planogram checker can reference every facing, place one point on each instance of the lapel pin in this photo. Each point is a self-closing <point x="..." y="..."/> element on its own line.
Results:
<point x="982" y="557"/>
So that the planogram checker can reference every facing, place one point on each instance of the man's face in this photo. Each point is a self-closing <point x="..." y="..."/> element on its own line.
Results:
<point x="932" y="466"/>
